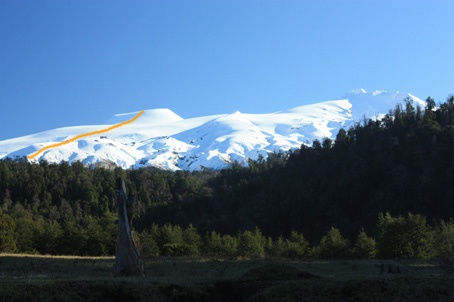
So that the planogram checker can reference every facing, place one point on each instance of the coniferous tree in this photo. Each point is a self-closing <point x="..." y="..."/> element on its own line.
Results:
<point x="147" y="245"/>
<point x="297" y="246"/>
<point x="280" y="247"/>
<point x="333" y="245"/>
<point x="171" y="241"/>
<point x="193" y="241"/>
<point x="7" y="233"/>
<point x="444" y="242"/>
<point x="251" y="244"/>
<point x="365" y="247"/>
<point x="230" y="245"/>
<point x="213" y="245"/>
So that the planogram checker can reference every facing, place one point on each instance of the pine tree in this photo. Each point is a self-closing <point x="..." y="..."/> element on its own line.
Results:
<point x="213" y="246"/>
<point x="251" y="244"/>
<point x="365" y="247"/>
<point x="333" y="245"/>
<point x="297" y="246"/>
<point x="148" y="245"/>
<point x="7" y="233"/>
<point x="444" y="242"/>
<point x="171" y="240"/>
<point x="192" y="241"/>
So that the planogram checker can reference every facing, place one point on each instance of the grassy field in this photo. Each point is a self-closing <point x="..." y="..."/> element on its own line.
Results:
<point x="51" y="278"/>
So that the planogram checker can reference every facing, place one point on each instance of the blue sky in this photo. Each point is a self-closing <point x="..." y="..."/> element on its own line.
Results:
<point x="66" y="63"/>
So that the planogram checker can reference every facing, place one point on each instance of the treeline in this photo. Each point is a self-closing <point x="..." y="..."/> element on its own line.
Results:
<point x="408" y="237"/>
<point x="402" y="237"/>
<point x="400" y="164"/>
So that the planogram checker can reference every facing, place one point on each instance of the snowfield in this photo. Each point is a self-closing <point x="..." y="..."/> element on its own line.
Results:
<point x="163" y="139"/>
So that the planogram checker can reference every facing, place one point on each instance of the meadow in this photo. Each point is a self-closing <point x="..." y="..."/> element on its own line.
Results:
<point x="67" y="278"/>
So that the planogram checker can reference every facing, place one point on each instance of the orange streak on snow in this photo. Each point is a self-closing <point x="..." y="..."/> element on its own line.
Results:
<point x="85" y="135"/>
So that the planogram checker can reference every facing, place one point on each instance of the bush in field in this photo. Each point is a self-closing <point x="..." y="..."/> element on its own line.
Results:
<point x="333" y="245"/>
<point x="230" y="245"/>
<point x="405" y="237"/>
<point x="444" y="243"/>
<point x="278" y="247"/>
<point x="175" y="241"/>
<point x="148" y="242"/>
<point x="192" y="241"/>
<point x="213" y="245"/>
<point x="365" y="247"/>
<point x="220" y="246"/>
<point x="251" y="244"/>
<point x="297" y="246"/>
<point x="170" y="240"/>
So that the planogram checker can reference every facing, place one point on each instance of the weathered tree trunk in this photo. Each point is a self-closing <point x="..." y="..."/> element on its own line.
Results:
<point x="127" y="256"/>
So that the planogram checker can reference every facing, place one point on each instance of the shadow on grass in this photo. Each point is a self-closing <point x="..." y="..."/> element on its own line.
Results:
<point x="33" y="278"/>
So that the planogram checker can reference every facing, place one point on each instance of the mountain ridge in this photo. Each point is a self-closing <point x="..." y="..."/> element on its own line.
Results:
<point x="163" y="139"/>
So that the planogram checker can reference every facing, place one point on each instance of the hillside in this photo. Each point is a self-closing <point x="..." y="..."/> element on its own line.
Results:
<point x="161" y="138"/>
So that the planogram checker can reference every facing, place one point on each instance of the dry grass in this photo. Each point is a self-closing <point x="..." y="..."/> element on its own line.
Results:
<point x="53" y="256"/>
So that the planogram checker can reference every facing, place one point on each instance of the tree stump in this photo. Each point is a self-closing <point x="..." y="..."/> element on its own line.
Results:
<point x="127" y="256"/>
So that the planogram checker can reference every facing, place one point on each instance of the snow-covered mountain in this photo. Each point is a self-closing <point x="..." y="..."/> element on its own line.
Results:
<point x="161" y="138"/>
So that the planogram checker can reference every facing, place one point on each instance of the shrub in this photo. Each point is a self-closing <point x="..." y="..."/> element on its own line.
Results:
<point x="333" y="245"/>
<point x="405" y="237"/>
<point x="365" y="246"/>
<point x="251" y="244"/>
<point x="297" y="246"/>
<point x="444" y="243"/>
